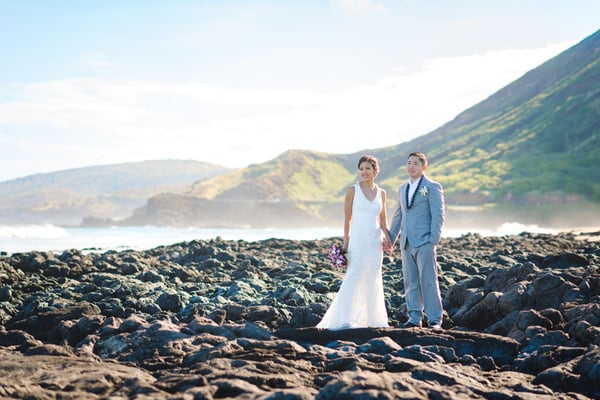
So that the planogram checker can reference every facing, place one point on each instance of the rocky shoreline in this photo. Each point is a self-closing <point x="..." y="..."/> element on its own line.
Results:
<point x="233" y="319"/>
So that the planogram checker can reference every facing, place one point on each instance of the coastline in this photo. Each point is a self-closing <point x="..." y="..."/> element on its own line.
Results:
<point x="25" y="238"/>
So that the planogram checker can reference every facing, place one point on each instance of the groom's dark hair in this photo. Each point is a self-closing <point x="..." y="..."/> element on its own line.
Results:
<point x="420" y="156"/>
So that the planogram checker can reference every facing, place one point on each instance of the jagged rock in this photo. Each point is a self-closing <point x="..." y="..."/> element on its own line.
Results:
<point x="217" y="318"/>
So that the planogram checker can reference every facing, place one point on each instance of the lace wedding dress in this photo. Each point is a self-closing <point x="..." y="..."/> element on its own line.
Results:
<point x="360" y="301"/>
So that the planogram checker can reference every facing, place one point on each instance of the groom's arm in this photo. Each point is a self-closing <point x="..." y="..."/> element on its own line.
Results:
<point x="437" y="210"/>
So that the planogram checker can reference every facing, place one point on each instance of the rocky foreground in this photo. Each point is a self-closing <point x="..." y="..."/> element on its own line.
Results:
<point x="224" y="319"/>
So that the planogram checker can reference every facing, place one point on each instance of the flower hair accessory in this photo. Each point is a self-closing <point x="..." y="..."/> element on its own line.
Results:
<point x="337" y="256"/>
<point x="423" y="191"/>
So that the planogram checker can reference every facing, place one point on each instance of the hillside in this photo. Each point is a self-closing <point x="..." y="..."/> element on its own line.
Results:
<point x="529" y="152"/>
<point x="96" y="193"/>
<point x="295" y="175"/>
<point x="536" y="140"/>
<point x="298" y="188"/>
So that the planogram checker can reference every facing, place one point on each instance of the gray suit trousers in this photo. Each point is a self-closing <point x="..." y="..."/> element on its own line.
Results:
<point x="421" y="286"/>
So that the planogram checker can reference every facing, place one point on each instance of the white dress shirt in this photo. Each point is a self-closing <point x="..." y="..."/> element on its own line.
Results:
<point x="412" y="186"/>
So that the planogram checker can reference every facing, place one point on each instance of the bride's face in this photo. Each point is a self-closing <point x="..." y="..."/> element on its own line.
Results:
<point x="366" y="171"/>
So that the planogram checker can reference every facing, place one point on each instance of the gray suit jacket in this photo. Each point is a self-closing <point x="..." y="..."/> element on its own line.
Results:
<point x="423" y="222"/>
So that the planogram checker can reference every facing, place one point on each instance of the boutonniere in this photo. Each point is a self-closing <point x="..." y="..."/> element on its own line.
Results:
<point x="423" y="191"/>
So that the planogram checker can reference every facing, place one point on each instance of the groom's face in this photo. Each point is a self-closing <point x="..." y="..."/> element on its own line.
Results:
<point x="414" y="167"/>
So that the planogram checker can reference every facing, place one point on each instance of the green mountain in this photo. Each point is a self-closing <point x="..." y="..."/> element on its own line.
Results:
<point x="299" y="176"/>
<point x="97" y="193"/>
<point x="535" y="140"/>
<point x="528" y="153"/>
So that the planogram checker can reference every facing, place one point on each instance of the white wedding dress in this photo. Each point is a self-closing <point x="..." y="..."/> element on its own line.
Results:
<point x="360" y="301"/>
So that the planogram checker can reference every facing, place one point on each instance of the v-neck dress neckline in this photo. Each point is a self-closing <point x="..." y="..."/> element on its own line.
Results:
<point x="367" y="197"/>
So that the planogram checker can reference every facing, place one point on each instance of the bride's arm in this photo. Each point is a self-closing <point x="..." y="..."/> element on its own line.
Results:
<point x="348" y="216"/>
<point x="387" y="242"/>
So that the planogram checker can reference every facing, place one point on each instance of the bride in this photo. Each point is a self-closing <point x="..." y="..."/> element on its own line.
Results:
<point x="360" y="303"/>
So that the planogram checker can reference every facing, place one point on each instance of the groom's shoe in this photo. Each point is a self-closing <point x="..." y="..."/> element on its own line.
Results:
<point x="434" y="326"/>
<point x="410" y="325"/>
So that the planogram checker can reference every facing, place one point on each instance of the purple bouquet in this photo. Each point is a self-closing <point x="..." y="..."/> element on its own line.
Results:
<point x="337" y="256"/>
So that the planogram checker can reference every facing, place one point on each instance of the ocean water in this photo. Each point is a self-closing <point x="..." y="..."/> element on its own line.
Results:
<point x="25" y="238"/>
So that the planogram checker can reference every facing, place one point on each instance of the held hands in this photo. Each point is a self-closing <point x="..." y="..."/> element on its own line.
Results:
<point x="387" y="245"/>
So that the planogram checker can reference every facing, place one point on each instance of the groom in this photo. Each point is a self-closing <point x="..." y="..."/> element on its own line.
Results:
<point x="418" y="220"/>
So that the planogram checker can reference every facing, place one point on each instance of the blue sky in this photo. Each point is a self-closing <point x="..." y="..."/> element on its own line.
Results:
<point x="238" y="82"/>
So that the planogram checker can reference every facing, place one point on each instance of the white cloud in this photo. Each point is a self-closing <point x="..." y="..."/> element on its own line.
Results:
<point x="76" y="103"/>
<point x="119" y="121"/>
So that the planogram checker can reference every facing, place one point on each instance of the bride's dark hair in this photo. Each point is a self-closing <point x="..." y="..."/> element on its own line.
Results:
<point x="370" y="159"/>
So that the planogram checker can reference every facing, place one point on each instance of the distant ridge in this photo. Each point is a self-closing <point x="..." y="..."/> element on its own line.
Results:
<point x="97" y="192"/>
<point x="292" y="190"/>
